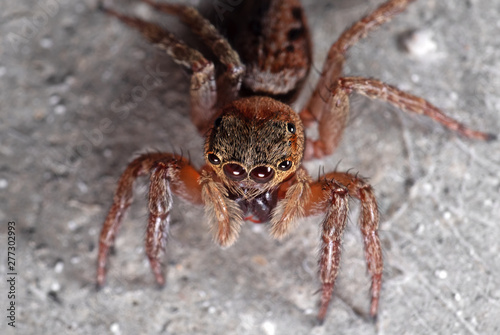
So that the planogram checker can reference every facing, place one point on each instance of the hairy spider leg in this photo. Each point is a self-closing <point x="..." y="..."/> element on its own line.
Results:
<point x="381" y="91"/>
<point x="329" y="104"/>
<point x="330" y="195"/>
<point x="203" y="85"/>
<point x="169" y="174"/>
<point x="329" y="107"/>
<point x="229" y="83"/>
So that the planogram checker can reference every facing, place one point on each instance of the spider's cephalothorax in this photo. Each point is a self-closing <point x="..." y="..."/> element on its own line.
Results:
<point x="254" y="146"/>
<point x="255" y="143"/>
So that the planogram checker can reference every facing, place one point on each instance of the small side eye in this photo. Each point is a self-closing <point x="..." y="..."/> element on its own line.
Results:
<point x="217" y="121"/>
<point x="212" y="158"/>
<point x="285" y="165"/>
<point x="291" y="127"/>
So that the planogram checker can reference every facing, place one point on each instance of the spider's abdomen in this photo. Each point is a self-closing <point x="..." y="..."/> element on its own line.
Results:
<point x="272" y="39"/>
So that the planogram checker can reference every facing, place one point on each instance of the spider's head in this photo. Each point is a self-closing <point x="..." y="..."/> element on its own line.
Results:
<point x="255" y="144"/>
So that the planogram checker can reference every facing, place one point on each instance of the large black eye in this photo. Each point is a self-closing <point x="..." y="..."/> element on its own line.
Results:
<point x="262" y="174"/>
<point x="291" y="127"/>
<point x="235" y="172"/>
<point x="285" y="165"/>
<point x="212" y="158"/>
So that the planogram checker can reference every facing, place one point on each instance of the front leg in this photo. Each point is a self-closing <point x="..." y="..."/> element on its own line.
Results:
<point x="332" y="227"/>
<point x="368" y="223"/>
<point x="330" y="195"/>
<point x="164" y="174"/>
<point x="169" y="174"/>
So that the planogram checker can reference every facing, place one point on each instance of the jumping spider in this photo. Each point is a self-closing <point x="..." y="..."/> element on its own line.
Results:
<point x="255" y="141"/>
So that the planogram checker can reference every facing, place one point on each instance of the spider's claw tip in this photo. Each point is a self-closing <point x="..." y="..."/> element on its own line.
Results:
<point x="160" y="282"/>
<point x="491" y="137"/>
<point x="103" y="8"/>
<point x="100" y="6"/>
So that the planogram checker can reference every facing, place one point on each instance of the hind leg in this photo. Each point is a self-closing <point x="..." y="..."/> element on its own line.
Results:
<point x="203" y="88"/>
<point x="329" y="103"/>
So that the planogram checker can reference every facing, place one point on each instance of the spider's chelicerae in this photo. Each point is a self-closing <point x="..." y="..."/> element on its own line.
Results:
<point x="255" y="142"/>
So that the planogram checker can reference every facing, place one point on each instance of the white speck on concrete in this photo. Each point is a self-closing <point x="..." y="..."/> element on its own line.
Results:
<point x="441" y="274"/>
<point x="55" y="287"/>
<point x="60" y="109"/>
<point x="115" y="328"/>
<point x="72" y="225"/>
<point x="268" y="327"/>
<point x="54" y="99"/>
<point x="420" y="43"/>
<point x="59" y="267"/>
<point x="46" y="43"/>
<point x="3" y="183"/>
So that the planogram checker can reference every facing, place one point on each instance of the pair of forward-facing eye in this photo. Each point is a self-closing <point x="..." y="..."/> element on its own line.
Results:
<point x="259" y="174"/>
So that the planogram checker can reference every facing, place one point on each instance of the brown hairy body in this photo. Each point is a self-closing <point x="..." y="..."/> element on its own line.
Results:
<point x="255" y="142"/>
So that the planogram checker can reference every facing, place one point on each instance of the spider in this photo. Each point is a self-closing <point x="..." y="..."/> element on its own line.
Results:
<point x="255" y="142"/>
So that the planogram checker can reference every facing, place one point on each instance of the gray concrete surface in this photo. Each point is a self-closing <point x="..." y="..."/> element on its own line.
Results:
<point x="74" y="111"/>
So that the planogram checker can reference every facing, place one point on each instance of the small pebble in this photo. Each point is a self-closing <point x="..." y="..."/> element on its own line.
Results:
<point x="115" y="328"/>
<point x="268" y="327"/>
<point x="420" y="43"/>
<point x="441" y="274"/>
<point x="54" y="100"/>
<point x="427" y="188"/>
<point x="55" y="287"/>
<point x="82" y="187"/>
<point x="60" y="109"/>
<point x="59" y="267"/>
<point x="3" y="183"/>
<point x="447" y="215"/>
<point x="72" y="225"/>
<point x="46" y="43"/>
